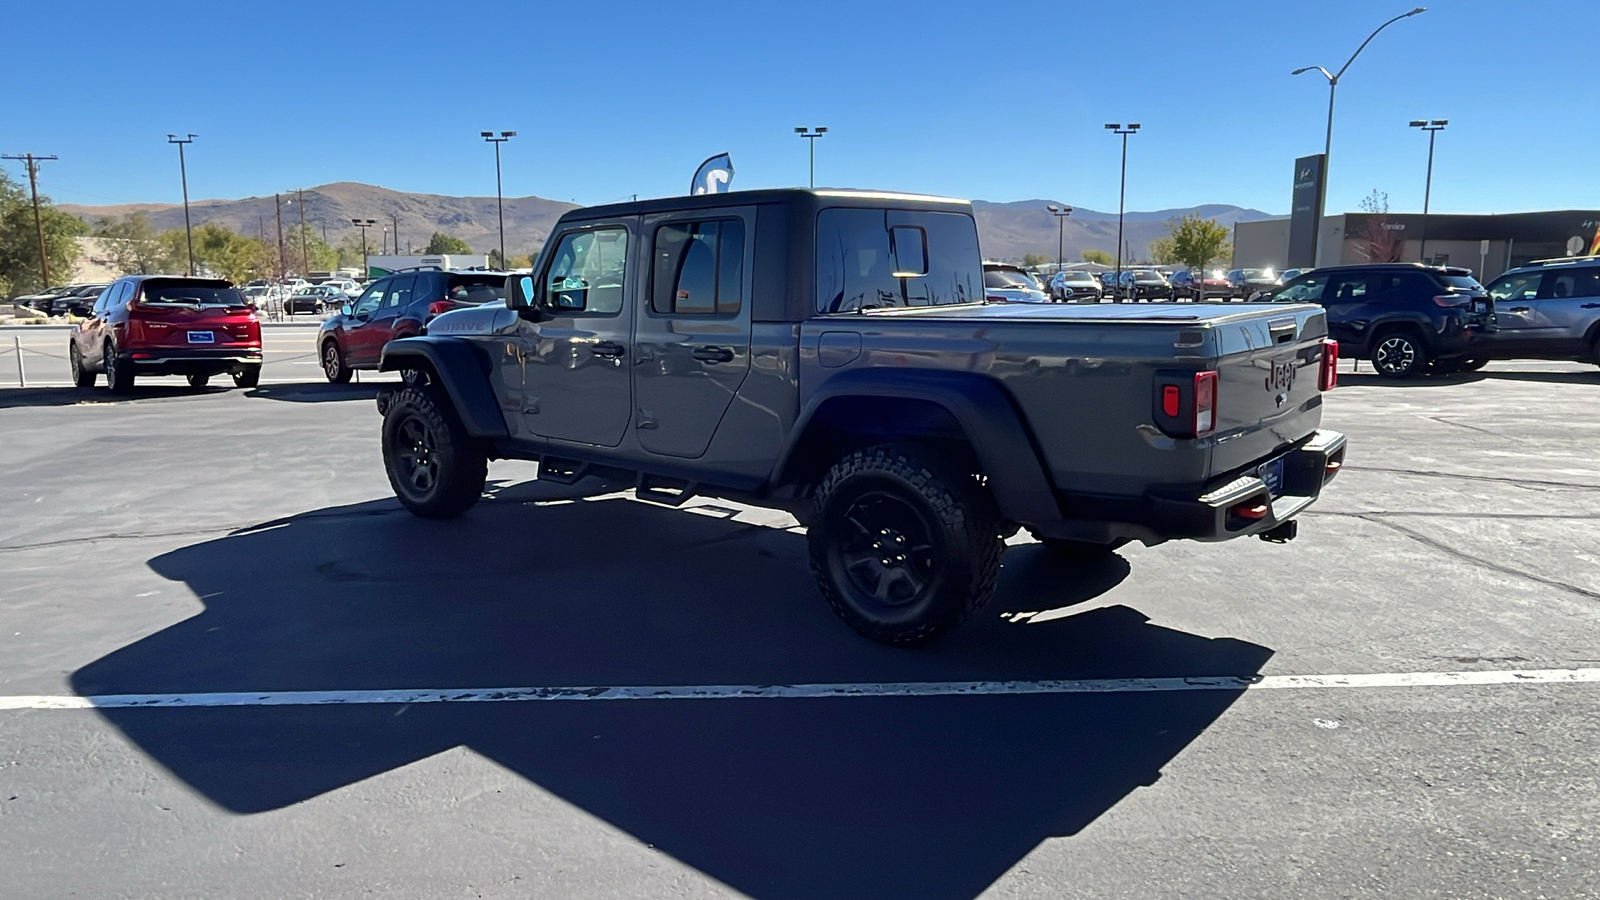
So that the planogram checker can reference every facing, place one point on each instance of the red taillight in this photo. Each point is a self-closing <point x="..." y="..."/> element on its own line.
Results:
<point x="440" y="306"/>
<point x="1328" y="375"/>
<point x="1451" y="301"/>
<point x="1171" y="400"/>
<point x="1205" y="403"/>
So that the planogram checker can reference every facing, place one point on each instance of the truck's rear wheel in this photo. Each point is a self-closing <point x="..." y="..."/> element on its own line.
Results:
<point x="436" y="470"/>
<point x="904" y="546"/>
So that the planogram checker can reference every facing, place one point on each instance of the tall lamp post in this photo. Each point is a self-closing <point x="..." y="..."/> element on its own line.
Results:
<point x="1333" y="85"/>
<point x="1061" y="213"/>
<point x="364" y="224"/>
<point x="499" y="200"/>
<point x="1432" y="127"/>
<point x="183" y="172"/>
<point x="1122" y="197"/>
<point x="811" y="136"/>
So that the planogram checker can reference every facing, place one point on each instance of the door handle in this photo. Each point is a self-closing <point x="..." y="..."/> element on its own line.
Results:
<point x="607" y="350"/>
<point x="713" y="354"/>
<point x="1518" y="309"/>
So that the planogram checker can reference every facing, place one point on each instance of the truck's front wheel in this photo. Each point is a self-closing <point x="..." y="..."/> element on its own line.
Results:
<point x="436" y="470"/>
<point x="904" y="547"/>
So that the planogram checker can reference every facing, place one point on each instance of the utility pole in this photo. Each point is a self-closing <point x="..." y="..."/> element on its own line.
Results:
<point x="1432" y="127"/>
<point x="183" y="171"/>
<point x="1122" y="197"/>
<point x="277" y="201"/>
<point x="305" y="256"/>
<point x="38" y="220"/>
<point x="395" y="219"/>
<point x="811" y="136"/>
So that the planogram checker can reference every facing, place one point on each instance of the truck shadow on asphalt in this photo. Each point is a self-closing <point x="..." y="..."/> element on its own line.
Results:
<point x="320" y="392"/>
<point x="851" y="797"/>
<point x="74" y="396"/>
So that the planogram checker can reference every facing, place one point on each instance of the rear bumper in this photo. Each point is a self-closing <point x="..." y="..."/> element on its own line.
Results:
<point x="185" y="361"/>
<point x="1236" y="505"/>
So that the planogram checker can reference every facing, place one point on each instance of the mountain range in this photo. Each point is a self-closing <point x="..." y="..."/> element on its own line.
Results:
<point x="1005" y="230"/>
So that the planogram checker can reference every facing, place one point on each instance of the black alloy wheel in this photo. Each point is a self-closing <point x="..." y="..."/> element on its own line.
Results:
<point x="905" y="546"/>
<point x="199" y="381"/>
<point x="436" y="470"/>
<point x="1398" y="354"/>
<point x="119" y="372"/>
<point x="247" y="377"/>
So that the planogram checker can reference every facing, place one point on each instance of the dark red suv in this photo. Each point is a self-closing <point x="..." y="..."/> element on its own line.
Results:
<point x="167" y="325"/>
<point x="397" y="306"/>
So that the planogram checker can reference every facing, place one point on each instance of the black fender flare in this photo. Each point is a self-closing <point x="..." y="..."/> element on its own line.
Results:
<point x="461" y="370"/>
<point x="986" y="414"/>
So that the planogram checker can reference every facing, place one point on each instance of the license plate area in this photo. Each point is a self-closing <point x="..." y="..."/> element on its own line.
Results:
<point x="1271" y="473"/>
<point x="202" y="337"/>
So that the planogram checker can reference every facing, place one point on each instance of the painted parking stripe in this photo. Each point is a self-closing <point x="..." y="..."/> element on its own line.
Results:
<point x="802" y="691"/>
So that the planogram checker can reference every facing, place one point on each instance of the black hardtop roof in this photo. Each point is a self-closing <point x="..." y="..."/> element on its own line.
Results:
<point x="197" y="279"/>
<point x="819" y="198"/>
<point x="1443" y="270"/>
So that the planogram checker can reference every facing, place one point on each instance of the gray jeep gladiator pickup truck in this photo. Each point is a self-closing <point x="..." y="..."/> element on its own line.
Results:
<point x="831" y="353"/>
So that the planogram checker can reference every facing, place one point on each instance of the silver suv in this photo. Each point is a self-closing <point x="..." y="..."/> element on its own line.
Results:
<point x="1547" y="310"/>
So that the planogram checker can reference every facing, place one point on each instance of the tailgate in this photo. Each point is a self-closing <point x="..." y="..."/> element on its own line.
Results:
<point x="1268" y="395"/>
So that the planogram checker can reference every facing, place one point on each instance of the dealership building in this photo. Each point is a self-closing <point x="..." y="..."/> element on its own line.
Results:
<point x="1488" y="245"/>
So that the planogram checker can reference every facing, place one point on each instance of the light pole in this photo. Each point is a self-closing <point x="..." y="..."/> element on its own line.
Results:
<point x="499" y="200"/>
<point x="1432" y="127"/>
<point x="1122" y="197"/>
<point x="1333" y="85"/>
<point x="811" y="136"/>
<point x="364" y="224"/>
<point x="183" y="172"/>
<point x="1061" y="213"/>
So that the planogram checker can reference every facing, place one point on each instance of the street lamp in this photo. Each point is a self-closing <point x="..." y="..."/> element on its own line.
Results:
<point x="364" y="224"/>
<point x="1333" y="85"/>
<point x="183" y="171"/>
<point x="1432" y="127"/>
<point x="499" y="199"/>
<point x="812" y="135"/>
<point x="1117" y="128"/>
<point x="1061" y="213"/>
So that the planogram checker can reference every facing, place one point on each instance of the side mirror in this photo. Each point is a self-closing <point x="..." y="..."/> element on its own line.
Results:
<point x="346" y="310"/>
<point x="519" y="292"/>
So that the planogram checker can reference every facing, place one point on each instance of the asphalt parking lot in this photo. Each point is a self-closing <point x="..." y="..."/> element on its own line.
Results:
<point x="1166" y="723"/>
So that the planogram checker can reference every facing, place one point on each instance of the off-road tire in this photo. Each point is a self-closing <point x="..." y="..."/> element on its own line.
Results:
<point x="944" y="562"/>
<point x="81" y="375"/>
<point x="247" y="377"/>
<point x="119" y="372"/>
<point x="198" y="381"/>
<point x="334" y="367"/>
<point x="1399" y="353"/>
<point x="435" y="469"/>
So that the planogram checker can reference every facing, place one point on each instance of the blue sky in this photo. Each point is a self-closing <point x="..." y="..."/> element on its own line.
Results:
<point x="995" y="100"/>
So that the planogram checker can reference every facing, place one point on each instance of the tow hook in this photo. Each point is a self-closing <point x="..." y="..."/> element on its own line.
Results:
<point x="1281" y="533"/>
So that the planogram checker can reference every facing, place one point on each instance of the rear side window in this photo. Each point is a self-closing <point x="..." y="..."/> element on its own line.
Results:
<point x="1305" y="289"/>
<point x="1000" y="278"/>
<point x="1570" y="283"/>
<point x="699" y="268"/>
<point x="874" y="258"/>
<point x="1460" y="282"/>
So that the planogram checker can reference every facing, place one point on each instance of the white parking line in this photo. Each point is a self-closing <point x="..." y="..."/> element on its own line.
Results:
<point x="802" y="691"/>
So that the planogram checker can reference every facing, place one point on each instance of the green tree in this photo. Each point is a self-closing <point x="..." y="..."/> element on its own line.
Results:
<point x="350" y="252"/>
<point x="1195" y="241"/>
<point x="319" y="257"/>
<point x="1164" y="251"/>
<point x="1030" y="260"/>
<point x="19" y="240"/>
<point x="1097" y="256"/>
<point x="442" y="243"/>
<point x="495" y="260"/>
<point x="135" y="246"/>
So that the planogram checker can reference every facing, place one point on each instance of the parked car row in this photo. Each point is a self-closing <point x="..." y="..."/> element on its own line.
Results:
<point x="1408" y="318"/>
<point x="76" y="299"/>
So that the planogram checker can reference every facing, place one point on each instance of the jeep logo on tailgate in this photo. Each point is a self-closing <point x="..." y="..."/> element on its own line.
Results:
<point x="1282" y="377"/>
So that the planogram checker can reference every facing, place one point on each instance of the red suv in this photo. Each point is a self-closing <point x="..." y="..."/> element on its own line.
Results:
<point x="397" y="306"/>
<point x="167" y="325"/>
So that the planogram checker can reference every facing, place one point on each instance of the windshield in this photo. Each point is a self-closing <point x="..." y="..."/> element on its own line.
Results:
<point x="1078" y="278"/>
<point x="192" y="293"/>
<point x="1148" y="277"/>
<point x="1257" y="274"/>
